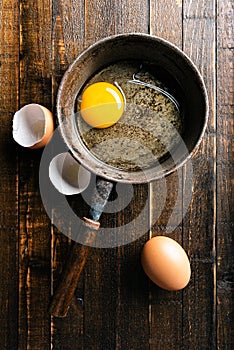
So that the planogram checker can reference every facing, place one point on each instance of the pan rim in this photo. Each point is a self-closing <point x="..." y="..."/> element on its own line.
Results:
<point x="102" y="169"/>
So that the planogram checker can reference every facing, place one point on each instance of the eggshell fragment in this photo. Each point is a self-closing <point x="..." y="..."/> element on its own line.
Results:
<point x="33" y="126"/>
<point x="67" y="175"/>
<point x="166" y="263"/>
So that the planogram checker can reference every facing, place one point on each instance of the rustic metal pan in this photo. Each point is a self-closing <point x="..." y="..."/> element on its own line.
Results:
<point x="105" y="52"/>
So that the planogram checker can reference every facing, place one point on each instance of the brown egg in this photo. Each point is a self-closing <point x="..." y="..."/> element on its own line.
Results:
<point x="166" y="263"/>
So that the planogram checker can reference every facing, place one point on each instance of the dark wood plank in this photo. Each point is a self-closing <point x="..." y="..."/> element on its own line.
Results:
<point x="67" y="38"/>
<point x="132" y="16"/>
<point x="35" y="235"/>
<point x="100" y="20"/>
<point x="200" y="48"/>
<point x="9" y="79"/>
<point x="67" y="333"/>
<point x="166" y="307"/>
<point x="100" y="289"/>
<point x="225" y="175"/>
<point x="199" y="223"/>
<point x="132" y="307"/>
<point x="166" y="202"/>
<point x="166" y="20"/>
<point x="193" y="10"/>
<point x="68" y="27"/>
<point x="199" y="241"/>
<point x="115" y="306"/>
<point x="116" y="315"/>
<point x="68" y="42"/>
<point x="132" y="299"/>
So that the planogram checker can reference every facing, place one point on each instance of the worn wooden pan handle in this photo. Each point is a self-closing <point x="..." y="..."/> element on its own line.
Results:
<point x="71" y="273"/>
<point x="79" y="253"/>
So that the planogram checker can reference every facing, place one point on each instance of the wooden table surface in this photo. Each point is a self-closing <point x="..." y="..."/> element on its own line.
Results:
<point x="115" y="305"/>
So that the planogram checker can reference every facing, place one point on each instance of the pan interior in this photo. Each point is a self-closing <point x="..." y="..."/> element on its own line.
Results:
<point x="151" y="126"/>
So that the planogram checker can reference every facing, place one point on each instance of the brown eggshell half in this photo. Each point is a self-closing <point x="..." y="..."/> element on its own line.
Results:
<point x="33" y="126"/>
<point x="49" y="128"/>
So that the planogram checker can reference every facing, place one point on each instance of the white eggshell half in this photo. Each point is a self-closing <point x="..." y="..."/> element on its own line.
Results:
<point x="33" y="126"/>
<point x="67" y="175"/>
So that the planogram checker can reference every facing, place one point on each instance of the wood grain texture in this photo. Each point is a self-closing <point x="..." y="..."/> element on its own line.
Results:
<point x="69" y="17"/>
<point x="133" y="289"/>
<point x="115" y="306"/>
<point x="202" y="10"/>
<point x="35" y="236"/>
<point x="166" y="20"/>
<point x="199" y="43"/>
<point x="100" y="20"/>
<point x="199" y="223"/>
<point x="115" y="325"/>
<point x="67" y="43"/>
<point x="166" y="202"/>
<point x="132" y="16"/>
<point x="225" y="176"/>
<point x="198" y="240"/>
<point x="132" y="306"/>
<point x="9" y="78"/>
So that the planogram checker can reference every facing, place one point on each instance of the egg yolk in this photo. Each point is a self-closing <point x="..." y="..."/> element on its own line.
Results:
<point x="102" y="105"/>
